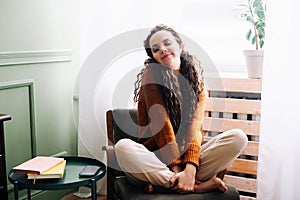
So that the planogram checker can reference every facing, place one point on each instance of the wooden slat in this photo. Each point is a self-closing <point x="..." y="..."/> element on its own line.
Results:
<point x="250" y="150"/>
<point x="224" y="124"/>
<point x="241" y="183"/>
<point x="234" y="85"/>
<point x="243" y="166"/>
<point x="242" y="197"/>
<point x="241" y="107"/>
<point x="244" y="106"/>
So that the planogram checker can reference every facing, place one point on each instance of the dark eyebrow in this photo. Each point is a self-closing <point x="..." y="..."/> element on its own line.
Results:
<point x="155" y="46"/>
<point x="165" y="40"/>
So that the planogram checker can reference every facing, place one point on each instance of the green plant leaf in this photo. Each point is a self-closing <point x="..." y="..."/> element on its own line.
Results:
<point x="260" y="14"/>
<point x="254" y="12"/>
<point x="256" y="3"/>
<point x="249" y="19"/>
<point x="259" y="7"/>
<point x="261" y="43"/>
<point x="261" y="33"/>
<point x="248" y="35"/>
<point x="260" y="24"/>
<point x="260" y="10"/>
<point x="253" y="39"/>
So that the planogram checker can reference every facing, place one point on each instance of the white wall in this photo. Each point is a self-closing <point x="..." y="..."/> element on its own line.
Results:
<point x="214" y="25"/>
<point x="279" y="163"/>
<point x="217" y="27"/>
<point x="35" y="25"/>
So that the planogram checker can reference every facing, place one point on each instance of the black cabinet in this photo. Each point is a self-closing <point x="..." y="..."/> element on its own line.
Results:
<point x="3" y="175"/>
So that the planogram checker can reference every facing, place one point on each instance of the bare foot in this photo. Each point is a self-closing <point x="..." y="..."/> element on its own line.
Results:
<point x="148" y="188"/>
<point x="211" y="184"/>
<point x="221" y="174"/>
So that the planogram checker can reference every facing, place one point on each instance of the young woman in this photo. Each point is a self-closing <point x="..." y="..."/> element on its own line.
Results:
<point x="171" y="92"/>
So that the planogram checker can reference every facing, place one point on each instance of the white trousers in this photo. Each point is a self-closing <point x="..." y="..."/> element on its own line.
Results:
<point x="142" y="165"/>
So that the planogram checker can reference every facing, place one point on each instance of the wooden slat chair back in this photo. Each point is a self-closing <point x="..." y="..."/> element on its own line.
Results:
<point x="235" y="103"/>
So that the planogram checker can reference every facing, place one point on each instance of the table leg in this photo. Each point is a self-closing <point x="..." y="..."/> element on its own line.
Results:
<point x="94" y="189"/>
<point x="28" y="194"/>
<point x="16" y="190"/>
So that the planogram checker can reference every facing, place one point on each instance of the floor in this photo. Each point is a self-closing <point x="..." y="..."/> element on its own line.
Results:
<point x="73" y="197"/>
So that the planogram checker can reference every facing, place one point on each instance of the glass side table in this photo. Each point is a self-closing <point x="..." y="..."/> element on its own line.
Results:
<point x="70" y="180"/>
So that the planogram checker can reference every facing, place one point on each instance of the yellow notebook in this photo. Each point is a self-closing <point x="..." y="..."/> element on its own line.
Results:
<point x="54" y="172"/>
<point x="37" y="165"/>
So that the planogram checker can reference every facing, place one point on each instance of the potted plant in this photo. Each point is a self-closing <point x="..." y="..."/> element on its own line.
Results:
<point x="254" y="13"/>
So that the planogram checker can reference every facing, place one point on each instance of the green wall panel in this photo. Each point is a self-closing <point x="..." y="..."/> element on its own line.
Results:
<point x="19" y="134"/>
<point x="38" y="95"/>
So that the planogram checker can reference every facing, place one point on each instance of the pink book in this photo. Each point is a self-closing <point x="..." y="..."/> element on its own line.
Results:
<point x="37" y="165"/>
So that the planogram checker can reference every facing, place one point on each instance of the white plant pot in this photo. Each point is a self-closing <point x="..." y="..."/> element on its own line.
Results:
<point x="254" y="62"/>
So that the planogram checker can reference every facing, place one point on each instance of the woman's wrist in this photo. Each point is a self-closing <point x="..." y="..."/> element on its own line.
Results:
<point x="190" y="168"/>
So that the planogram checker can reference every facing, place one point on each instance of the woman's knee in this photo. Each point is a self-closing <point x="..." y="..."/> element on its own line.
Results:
<point x="240" y="139"/>
<point x="123" y="145"/>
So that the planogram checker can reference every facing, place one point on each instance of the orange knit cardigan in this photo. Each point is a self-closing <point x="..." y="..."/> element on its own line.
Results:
<point x="154" y="121"/>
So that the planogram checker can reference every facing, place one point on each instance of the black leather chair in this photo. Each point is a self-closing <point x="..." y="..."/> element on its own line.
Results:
<point x="117" y="185"/>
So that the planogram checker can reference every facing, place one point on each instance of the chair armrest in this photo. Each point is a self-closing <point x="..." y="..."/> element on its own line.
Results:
<point x="111" y="157"/>
<point x="104" y="148"/>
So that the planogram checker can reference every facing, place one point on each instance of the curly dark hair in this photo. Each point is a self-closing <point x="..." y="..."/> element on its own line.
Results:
<point x="181" y="99"/>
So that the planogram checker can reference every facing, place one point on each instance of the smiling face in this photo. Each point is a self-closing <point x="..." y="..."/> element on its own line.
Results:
<point x="165" y="49"/>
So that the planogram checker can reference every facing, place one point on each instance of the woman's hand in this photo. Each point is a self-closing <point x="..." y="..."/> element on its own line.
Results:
<point x="185" y="180"/>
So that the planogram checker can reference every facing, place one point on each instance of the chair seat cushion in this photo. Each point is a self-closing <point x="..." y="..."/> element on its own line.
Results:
<point x="126" y="191"/>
